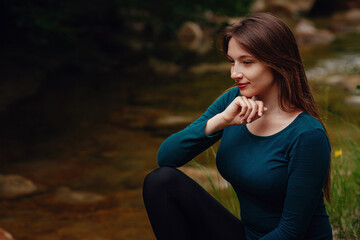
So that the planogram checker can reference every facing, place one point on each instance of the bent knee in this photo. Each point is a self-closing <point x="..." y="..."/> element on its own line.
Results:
<point x="161" y="178"/>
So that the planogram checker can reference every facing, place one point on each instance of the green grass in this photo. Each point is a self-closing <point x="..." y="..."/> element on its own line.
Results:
<point x="227" y="196"/>
<point x="344" y="208"/>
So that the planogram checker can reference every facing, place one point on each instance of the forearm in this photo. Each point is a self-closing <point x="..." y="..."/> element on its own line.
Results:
<point x="215" y="124"/>
<point x="183" y="146"/>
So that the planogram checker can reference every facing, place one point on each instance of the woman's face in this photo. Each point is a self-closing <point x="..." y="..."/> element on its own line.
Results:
<point x="252" y="77"/>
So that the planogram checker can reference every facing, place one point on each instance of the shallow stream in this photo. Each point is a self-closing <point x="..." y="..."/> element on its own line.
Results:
<point x="103" y="137"/>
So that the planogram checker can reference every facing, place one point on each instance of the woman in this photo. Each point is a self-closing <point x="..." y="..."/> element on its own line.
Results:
<point x="274" y="149"/>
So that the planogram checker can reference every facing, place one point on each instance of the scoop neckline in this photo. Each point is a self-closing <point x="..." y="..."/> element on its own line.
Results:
<point x="277" y="133"/>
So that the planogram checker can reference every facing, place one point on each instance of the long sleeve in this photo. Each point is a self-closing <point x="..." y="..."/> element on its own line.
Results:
<point x="307" y="172"/>
<point x="183" y="146"/>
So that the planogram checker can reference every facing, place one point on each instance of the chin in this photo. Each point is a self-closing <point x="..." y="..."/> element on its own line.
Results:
<point x="246" y="94"/>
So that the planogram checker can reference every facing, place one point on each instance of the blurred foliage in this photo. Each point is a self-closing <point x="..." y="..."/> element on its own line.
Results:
<point x="42" y="22"/>
<point x="172" y="13"/>
<point x="100" y="36"/>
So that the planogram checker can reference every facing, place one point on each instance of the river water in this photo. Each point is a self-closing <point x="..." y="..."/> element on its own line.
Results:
<point x="102" y="138"/>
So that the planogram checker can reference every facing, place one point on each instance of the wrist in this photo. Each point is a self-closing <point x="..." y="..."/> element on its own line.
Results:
<point x="215" y="124"/>
<point x="225" y="122"/>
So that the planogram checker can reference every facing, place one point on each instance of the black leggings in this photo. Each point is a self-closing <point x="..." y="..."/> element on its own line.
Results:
<point x="179" y="208"/>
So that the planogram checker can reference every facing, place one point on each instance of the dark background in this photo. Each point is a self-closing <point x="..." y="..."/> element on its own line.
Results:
<point x="83" y="103"/>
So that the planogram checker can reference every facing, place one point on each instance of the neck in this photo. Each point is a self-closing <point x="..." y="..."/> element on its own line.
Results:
<point x="271" y="100"/>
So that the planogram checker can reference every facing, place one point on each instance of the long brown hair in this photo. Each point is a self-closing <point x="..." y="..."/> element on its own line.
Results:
<point x="271" y="41"/>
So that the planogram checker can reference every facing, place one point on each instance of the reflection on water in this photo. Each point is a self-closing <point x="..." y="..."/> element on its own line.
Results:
<point x="344" y="64"/>
<point x="80" y="139"/>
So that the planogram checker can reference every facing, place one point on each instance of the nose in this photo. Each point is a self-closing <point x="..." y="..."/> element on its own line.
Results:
<point x="236" y="74"/>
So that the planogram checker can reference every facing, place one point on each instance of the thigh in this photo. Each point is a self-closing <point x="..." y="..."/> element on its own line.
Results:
<point x="203" y="214"/>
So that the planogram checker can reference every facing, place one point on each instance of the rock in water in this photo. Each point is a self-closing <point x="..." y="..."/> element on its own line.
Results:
<point x="290" y="8"/>
<point x="14" y="186"/>
<point x="190" y="35"/>
<point x="353" y="100"/>
<point x="68" y="196"/>
<point x="306" y="33"/>
<point x="4" y="235"/>
<point x="189" y="32"/>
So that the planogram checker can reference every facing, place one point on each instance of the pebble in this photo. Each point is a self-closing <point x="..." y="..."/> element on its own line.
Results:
<point x="4" y="235"/>
<point x="15" y="186"/>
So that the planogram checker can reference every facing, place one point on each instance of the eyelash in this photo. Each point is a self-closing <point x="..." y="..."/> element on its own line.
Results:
<point x="245" y="62"/>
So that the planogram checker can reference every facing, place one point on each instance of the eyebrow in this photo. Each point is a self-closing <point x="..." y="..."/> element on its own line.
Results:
<point x="241" y="57"/>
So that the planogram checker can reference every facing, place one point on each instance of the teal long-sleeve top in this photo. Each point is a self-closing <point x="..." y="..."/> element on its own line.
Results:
<point x="278" y="179"/>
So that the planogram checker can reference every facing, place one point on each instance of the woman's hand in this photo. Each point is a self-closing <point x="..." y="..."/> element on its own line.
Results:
<point x="241" y="110"/>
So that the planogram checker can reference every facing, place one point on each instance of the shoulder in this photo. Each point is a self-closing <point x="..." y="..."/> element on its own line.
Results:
<point x="221" y="103"/>
<point x="306" y="122"/>
<point x="231" y="93"/>
<point x="228" y="96"/>
<point x="309" y="130"/>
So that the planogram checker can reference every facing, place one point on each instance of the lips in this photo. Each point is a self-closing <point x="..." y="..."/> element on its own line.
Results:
<point x="242" y="85"/>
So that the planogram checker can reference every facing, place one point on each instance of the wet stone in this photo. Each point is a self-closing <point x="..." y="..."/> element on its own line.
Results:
<point x="290" y="8"/>
<point x="15" y="186"/>
<point x="190" y="34"/>
<point x="4" y="235"/>
<point x="68" y="196"/>
<point x="306" y="33"/>
<point x="354" y="100"/>
<point x="174" y="120"/>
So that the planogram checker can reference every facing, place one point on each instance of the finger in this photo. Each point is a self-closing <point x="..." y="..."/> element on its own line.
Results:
<point x="248" y="108"/>
<point x="260" y="105"/>
<point x="254" y="109"/>
<point x="244" y="107"/>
